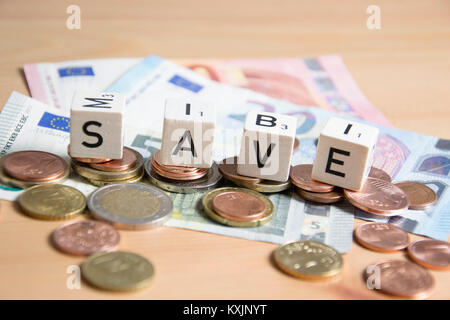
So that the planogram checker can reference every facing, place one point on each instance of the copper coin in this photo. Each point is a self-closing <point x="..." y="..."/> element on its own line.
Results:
<point x="378" y="197"/>
<point x="86" y="237"/>
<point x="87" y="160"/>
<point x="157" y="158"/>
<point x="128" y="160"/>
<point x="382" y="237"/>
<point x="228" y="168"/>
<point x="34" y="166"/>
<point x="296" y="145"/>
<point x="379" y="174"/>
<point x="420" y="196"/>
<point x="321" y="197"/>
<point x="180" y="173"/>
<point x="432" y="254"/>
<point x="403" y="279"/>
<point x="180" y="176"/>
<point x="238" y="206"/>
<point x="301" y="177"/>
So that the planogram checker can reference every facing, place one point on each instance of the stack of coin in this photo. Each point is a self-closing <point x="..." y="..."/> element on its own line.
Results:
<point x="181" y="179"/>
<point x="23" y="169"/>
<point x="312" y="190"/>
<point x="228" y="168"/>
<point x="178" y="173"/>
<point x="100" y="172"/>
<point x="238" y="207"/>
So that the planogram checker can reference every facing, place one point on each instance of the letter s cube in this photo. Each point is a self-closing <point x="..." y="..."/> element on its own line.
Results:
<point x="344" y="153"/>
<point x="267" y="143"/>
<point x="188" y="133"/>
<point x="96" y="125"/>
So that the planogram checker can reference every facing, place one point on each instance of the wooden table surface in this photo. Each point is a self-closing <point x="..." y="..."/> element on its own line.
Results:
<point x="403" y="69"/>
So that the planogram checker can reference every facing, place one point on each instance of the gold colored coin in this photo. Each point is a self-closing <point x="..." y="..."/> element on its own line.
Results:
<point x="307" y="259"/>
<point x="118" y="271"/>
<point x="207" y="202"/>
<point x="52" y="202"/>
<point x="101" y="183"/>
<point x="87" y="172"/>
<point x="265" y="186"/>
<point x="15" y="183"/>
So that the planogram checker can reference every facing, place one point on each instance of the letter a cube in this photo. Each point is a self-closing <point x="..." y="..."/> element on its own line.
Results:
<point x="188" y="133"/>
<point x="344" y="153"/>
<point x="96" y="125"/>
<point x="267" y="143"/>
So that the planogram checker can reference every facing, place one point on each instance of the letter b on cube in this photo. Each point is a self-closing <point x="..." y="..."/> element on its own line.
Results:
<point x="344" y="153"/>
<point x="266" y="148"/>
<point x="188" y="133"/>
<point x="96" y="125"/>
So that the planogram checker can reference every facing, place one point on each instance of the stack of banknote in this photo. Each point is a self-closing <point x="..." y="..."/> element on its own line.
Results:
<point x="310" y="89"/>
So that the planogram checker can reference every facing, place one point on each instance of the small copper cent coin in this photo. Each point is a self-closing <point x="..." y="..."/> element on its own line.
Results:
<point x="378" y="197"/>
<point x="301" y="177"/>
<point x="87" y="160"/>
<point x="321" y="197"/>
<point x="379" y="174"/>
<point x="238" y="206"/>
<point x="382" y="237"/>
<point x="403" y="279"/>
<point x="228" y="168"/>
<point x="430" y="253"/>
<point x="128" y="160"/>
<point x="34" y="166"/>
<point x="420" y="196"/>
<point x="86" y="237"/>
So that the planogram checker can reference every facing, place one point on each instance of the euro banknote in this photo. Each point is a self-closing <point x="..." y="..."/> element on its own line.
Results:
<point x="322" y="82"/>
<point x="28" y="124"/>
<point x="404" y="155"/>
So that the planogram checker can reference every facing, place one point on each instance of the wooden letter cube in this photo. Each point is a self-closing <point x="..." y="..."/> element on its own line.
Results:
<point x="266" y="148"/>
<point x="188" y="133"/>
<point x="96" y="125"/>
<point x="344" y="153"/>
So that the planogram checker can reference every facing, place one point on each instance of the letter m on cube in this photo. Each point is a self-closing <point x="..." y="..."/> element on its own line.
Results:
<point x="344" y="153"/>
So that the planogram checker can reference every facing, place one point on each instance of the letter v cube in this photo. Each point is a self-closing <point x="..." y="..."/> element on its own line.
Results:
<point x="188" y="133"/>
<point x="267" y="144"/>
<point x="96" y="125"/>
<point x="345" y="153"/>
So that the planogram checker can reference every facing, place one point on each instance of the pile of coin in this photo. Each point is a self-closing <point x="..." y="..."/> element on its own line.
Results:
<point x="312" y="190"/>
<point x="228" y="168"/>
<point x="237" y="207"/>
<point x="379" y="196"/>
<point x="181" y="179"/>
<point x="100" y="172"/>
<point x="23" y="169"/>
<point x="403" y="278"/>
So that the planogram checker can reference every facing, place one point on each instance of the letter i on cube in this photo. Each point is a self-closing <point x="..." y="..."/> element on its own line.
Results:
<point x="345" y="153"/>
<point x="96" y="125"/>
<point x="266" y="148"/>
<point x="188" y="133"/>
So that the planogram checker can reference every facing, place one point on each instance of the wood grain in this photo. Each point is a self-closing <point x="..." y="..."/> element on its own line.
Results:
<point x="403" y="69"/>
